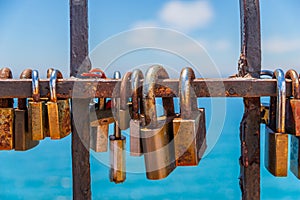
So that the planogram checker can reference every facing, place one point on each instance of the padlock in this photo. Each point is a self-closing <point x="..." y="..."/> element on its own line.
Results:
<point x="58" y="112"/>
<point x="157" y="134"/>
<point x="292" y="120"/>
<point x="189" y="128"/>
<point x="276" y="139"/>
<point x="36" y="111"/>
<point x="6" y="117"/>
<point x="124" y="114"/>
<point x="23" y="137"/>
<point x="117" y="144"/>
<point x="136" y="122"/>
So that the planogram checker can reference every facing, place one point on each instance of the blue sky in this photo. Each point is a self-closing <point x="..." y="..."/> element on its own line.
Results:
<point x="36" y="33"/>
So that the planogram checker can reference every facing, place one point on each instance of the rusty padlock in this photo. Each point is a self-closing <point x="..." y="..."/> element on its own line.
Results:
<point x="58" y="111"/>
<point x="157" y="135"/>
<point x="124" y="114"/>
<point x="137" y="120"/>
<point x="276" y="139"/>
<point x="36" y="111"/>
<point x="189" y="128"/>
<point x="23" y="137"/>
<point x="6" y="117"/>
<point x="117" y="144"/>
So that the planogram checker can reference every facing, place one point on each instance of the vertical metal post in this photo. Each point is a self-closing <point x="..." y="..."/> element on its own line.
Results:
<point x="80" y="129"/>
<point x="250" y="66"/>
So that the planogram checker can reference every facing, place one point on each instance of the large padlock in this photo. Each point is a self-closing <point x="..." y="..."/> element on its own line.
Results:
<point x="292" y="119"/>
<point x="23" y="137"/>
<point x="136" y="122"/>
<point x="157" y="134"/>
<point x="276" y="139"/>
<point x="36" y="111"/>
<point x="117" y="144"/>
<point x="58" y="111"/>
<point x="124" y="114"/>
<point x="6" y="117"/>
<point x="189" y="128"/>
<point x="293" y="122"/>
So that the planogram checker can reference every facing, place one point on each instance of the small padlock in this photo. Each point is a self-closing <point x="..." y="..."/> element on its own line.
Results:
<point x="276" y="140"/>
<point x="124" y="114"/>
<point x="23" y="137"/>
<point x="117" y="144"/>
<point x="58" y="112"/>
<point x="189" y="128"/>
<point x="6" y="117"/>
<point x="292" y="119"/>
<point x="36" y="111"/>
<point x="136" y="122"/>
<point x="157" y="134"/>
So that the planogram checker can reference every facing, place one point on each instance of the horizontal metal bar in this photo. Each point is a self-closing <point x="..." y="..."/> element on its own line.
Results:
<point x="90" y="88"/>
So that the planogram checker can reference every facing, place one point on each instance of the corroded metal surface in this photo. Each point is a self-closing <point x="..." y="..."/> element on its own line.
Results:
<point x="117" y="172"/>
<point x="36" y="120"/>
<point x="6" y="128"/>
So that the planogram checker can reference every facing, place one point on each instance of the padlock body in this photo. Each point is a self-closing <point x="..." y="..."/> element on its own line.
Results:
<point x="36" y="120"/>
<point x="158" y="149"/>
<point x="124" y="119"/>
<point x="276" y="152"/>
<point x="190" y="139"/>
<point x="59" y="119"/>
<point x="23" y="138"/>
<point x="294" y="159"/>
<point x="6" y="128"/>
<point x="117" y="172"/>
<point x="99" y="138"/>
<point x="135" y="138"/>
<point x="292" y="120"/>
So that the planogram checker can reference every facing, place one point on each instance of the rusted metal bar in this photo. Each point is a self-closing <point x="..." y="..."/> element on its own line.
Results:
<point x="90" y="88"/>
<point x="250" y="66"/>
<point x="80" y="122"/>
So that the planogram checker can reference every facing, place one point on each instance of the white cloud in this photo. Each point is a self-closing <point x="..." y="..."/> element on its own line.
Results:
<point x="187" y="15"/>
<point x="281" y="45"/>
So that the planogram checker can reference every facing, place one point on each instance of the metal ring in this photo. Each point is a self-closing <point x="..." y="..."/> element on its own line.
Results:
<point x="265" y="72"/>
<point x="117" y="75"/>
<point x="187" y="75"/>
<point x="292" y="74"/>
<point x="281" y="98"/>
<point x="35" y="86"/>
<point x="136" y="77"/>
<point x="52" y="86"/>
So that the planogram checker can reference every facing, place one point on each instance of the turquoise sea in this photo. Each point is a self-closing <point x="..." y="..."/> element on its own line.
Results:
<point x="45" y="171"/>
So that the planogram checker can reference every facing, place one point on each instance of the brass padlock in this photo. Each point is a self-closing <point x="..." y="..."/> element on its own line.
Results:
<point x="293" y="106"/>
<point x="157" y="135"/>
<point x="189" y="128"/>
<point x="6" y="117"/>
<point x="23" y="137"/>
<point x="117" y="144"/>
<point x="276" y="139"/>
<point x="124" y="114"/>
<point x="58" y="112"/>
<point x="136" y="122"/>
<point x="36" y="111"/>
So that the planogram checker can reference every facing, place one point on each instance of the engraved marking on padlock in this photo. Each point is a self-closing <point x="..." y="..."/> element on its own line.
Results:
<point x="135" y="123"/>
<point x="36" y="112"/>
<point x="157" y="135"/>
<point x="6" y="117"/>
<point x="276" y="142"/>
<point x="190" y="128"/>
<point x="23" y="137"/>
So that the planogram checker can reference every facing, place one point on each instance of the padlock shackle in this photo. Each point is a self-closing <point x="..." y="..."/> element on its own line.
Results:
<point x="35" y="86"/>
<point x="292" y="74"/>
<point x="52" y="86"/>
<point x="153" y="74"/>
<point x="5" y="73"/>
<point x="188" y="99"/>
<point x="117" y="75"/>
<point x="136" y="86"/>
<point x="124" y="94"/>
<point x="266" y="72"/>
<point x="50" y="70"/>
<point x="26" y="74"/>
<point x="281" y="100"/>
<point x="117" y="130"/>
